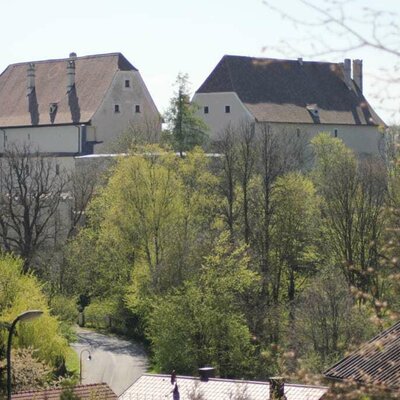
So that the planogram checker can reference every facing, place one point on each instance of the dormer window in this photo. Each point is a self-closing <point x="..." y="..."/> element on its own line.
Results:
<point x="313" y="110"/>
<point x="127" y="83"/>
<point x="116" y="108"/>
<point x="227" y="109"/>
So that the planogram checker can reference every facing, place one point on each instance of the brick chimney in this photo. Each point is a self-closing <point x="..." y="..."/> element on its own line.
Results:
<point x="277" y="388"/>
<point x="70" y="75"/>
<point x="30" y="79"/>
<point x="358" y="73"/>
<point x="206" y="373"/>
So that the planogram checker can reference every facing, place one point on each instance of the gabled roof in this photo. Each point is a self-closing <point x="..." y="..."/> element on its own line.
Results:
<point x="158" y="387"/>
<point x="93" y="78"/>
<point x="280" y="90"/>
<point x="377" y="362"/>
<point x="85" y="392"/>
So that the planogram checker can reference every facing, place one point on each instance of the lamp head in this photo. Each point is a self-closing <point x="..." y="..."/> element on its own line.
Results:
<point x="29" y="315"/>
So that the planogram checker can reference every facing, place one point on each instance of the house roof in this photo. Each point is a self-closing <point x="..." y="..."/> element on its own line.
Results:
<point x="159" y="387"/>
<point x="93" y="77"/>
<point x="100" y="390"/>
<point x="280" y="90"/>
<point x="377" y="362"/>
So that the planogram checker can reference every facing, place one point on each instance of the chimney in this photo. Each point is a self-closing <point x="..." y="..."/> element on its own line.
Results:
<point x="277" y="388"/>
<point x="358" y="74"/>
<point x="30" y="78"/>
<point x="70" y="75"/>
<point x="206" y="373"/>
<point x="347" y="72"/>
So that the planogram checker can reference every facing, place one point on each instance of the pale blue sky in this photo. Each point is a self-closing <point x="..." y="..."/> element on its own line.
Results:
<point x="163" y="38"/>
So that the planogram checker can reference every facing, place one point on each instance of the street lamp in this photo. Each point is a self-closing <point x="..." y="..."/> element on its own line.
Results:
<point x="80" y="363"/>
<point x="25" y="316"/>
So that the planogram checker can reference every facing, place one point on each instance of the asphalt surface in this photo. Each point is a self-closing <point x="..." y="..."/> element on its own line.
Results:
<point x="115" y="361"/>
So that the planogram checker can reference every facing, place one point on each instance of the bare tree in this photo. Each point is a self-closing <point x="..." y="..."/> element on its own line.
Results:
<point x="31" y="189"/>
<point x="338" y="27"/>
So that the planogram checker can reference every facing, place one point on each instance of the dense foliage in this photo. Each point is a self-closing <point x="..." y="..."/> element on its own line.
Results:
<point x="251" y="261"/>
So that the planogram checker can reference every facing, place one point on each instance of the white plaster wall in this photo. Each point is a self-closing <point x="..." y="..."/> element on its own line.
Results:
<point x="46" y="139"/>
<point x="108" y="124"/>
<point x="216" y="119"/>
<point x="361" y="139"/>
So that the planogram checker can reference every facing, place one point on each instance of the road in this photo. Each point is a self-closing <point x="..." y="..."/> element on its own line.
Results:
<point x="115" y="361"/>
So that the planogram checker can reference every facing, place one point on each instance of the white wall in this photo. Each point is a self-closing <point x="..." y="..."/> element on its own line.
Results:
<point x="362" y="139"/>
<point x="217" y="119"/>
<point x="108" y="124"/>
<point x="46" y="139"/>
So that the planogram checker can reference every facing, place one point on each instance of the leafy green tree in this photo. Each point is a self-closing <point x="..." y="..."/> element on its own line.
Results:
<point x="186" y="129"/>
<point x="295" y="232"/>
<point x="202" y="323"/>
<point x="20" y="292"/>
<point x="353" y="193"/>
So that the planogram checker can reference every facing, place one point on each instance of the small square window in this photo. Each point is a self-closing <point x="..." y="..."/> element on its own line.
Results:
<point x="205" y="109"/>
<point x="116" y="108"/>
<point x="227" y="109"/>
<point x="127" y="83"/>
<point x="137" y="108"/>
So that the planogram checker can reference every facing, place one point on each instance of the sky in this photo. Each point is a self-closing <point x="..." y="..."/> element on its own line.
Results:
<point x="164" y="38"/>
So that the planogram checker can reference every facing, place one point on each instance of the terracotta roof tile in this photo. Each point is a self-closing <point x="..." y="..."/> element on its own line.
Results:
<point x="93" y="77"/>
<point x="157" y="387"/>
<point x="85" y="392"/>
<point x="280" y="90"/>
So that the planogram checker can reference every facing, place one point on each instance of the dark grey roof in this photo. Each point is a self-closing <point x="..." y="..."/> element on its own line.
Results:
<point x="94" y="75"/>
<point x="377" y="362"/>
<point x="280" y="90"/>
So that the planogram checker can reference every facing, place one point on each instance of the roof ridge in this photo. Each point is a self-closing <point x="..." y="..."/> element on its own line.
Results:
<point x="67" y="58"/>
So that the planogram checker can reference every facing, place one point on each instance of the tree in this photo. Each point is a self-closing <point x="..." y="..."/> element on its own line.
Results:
<point x="186" y="129"/>
<point x="357" y="26"/>
<point x="294" y="234"/>
<point x="354" y="195"/>
<point x="30" y="194"/>
<point x="328" y="322"/>
<point x="202" y="322"/>
<point x="20" y="292"/>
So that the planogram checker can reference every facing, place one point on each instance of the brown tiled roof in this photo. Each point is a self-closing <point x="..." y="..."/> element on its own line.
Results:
<point x="377" y="362"/>
<point x="89" y="392"/>
<point x="158" y="387"/>
<point x="94" y="75"/>
<point x="280" y="90"/>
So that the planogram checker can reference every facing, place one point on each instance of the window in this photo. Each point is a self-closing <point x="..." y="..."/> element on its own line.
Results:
<point x="227" y="109"/>
<point x="205" y="109"/>
<point x="137" y="108"/>
<point x="127" y="83"/>
<point x="298" y="132"/>
<point x="116" y="108"/>
<point x="335" y="132"/>
<point x="57" y="169"/>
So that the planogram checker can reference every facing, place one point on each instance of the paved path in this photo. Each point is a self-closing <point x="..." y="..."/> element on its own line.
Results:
<point x="115" y="361"/>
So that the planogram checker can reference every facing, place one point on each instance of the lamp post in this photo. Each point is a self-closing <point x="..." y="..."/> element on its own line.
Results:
<point x="80" y="363"/>
<point x="25" y="316"/>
